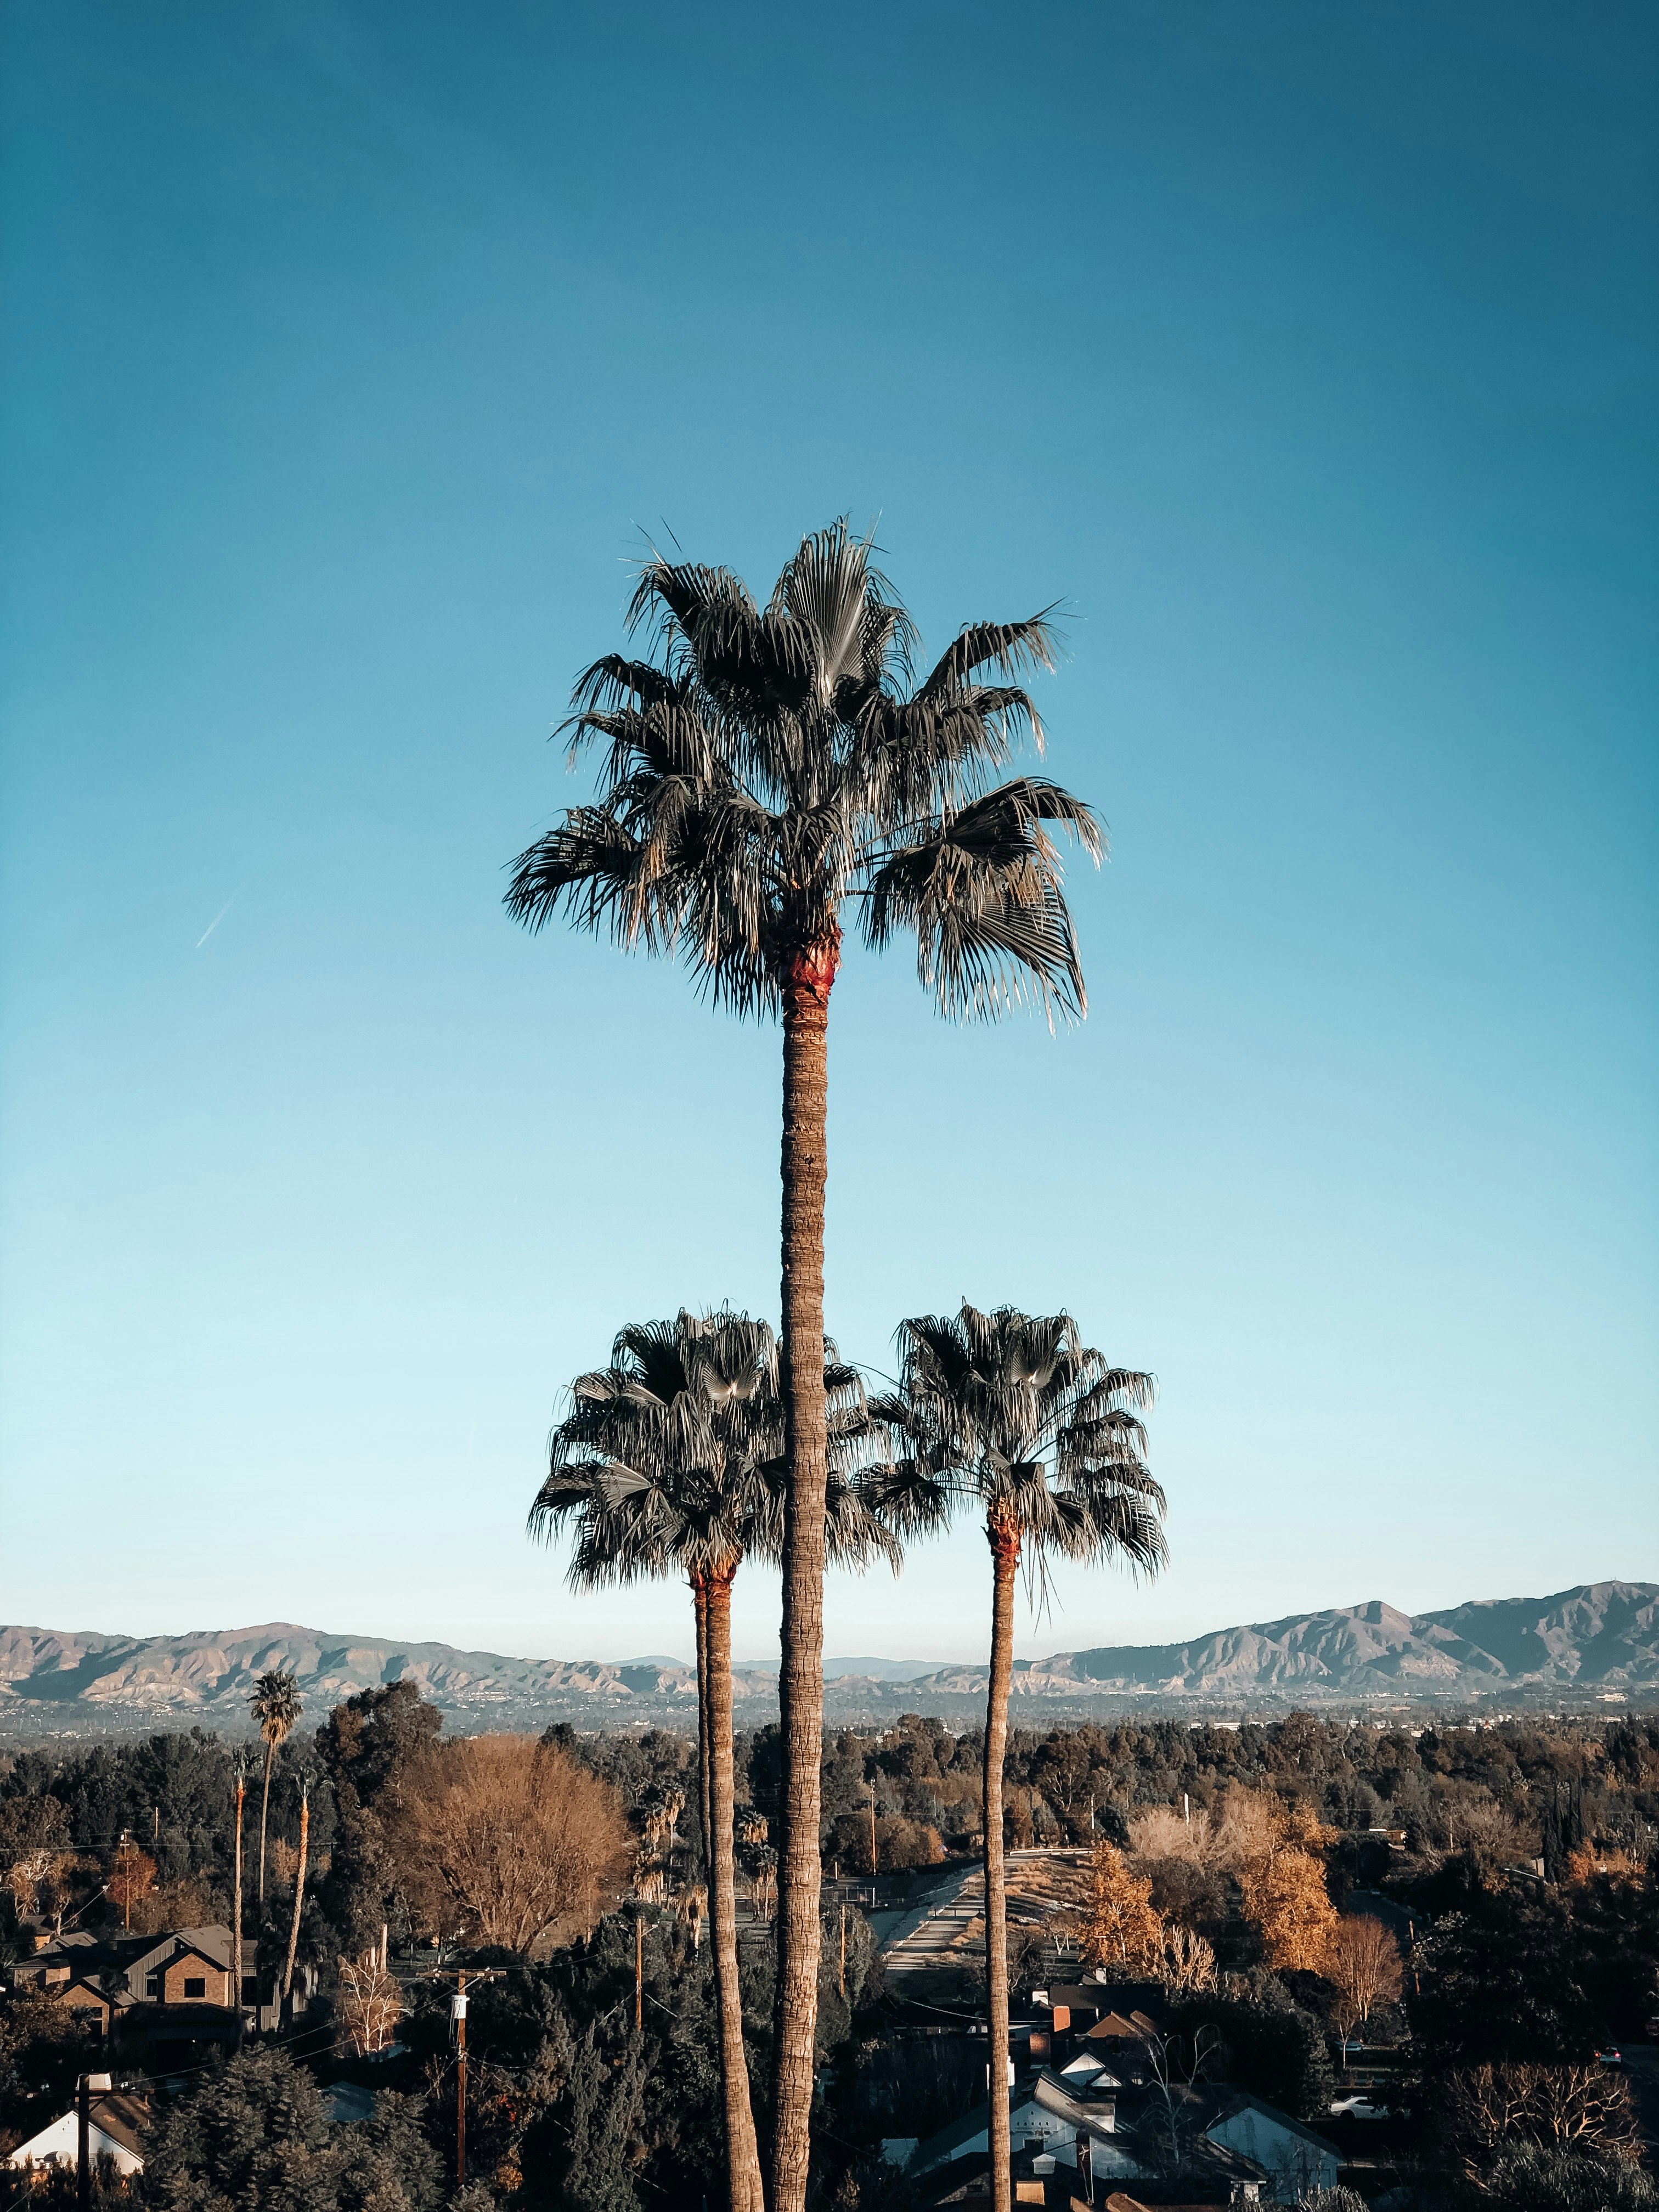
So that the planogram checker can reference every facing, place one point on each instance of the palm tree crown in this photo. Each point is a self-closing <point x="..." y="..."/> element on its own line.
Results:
<point x="1009" y="1411"/>
<point x="769" y="762"/>
<point x="275" y="1705"/>
<point x="671" y="1458"/>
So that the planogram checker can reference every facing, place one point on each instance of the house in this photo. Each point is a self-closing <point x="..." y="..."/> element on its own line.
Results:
<point x="116" y="2131"/>
<point x="116" y="1984"/>
<point x="1039" y="2178"/>
<point x="1298" y="2161"/>
<point x="1224" y="2138"/>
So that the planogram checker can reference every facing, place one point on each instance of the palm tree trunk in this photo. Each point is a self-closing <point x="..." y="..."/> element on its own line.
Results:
<point x="742" y="2151"/>
<point x="264" y="1809"/>
<point x="1004" y="1538"/>
<point x="699" y="1606"/>
<point x="236" y="1909"/>
<point x="807" y="985"/>
<point x="299" y="1893"/>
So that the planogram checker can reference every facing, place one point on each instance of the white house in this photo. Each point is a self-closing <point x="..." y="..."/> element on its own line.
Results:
<point x="1228" y="2134"/>
<point x="116" y="2131"/>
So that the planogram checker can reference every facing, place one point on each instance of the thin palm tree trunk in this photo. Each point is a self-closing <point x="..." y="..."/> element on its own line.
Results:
<point x="299" y="1893"/>
<point x="1005" y="1556"/>
<point x="236" y="1909"/>
<point x="264" y="1810"/>
<point x="699" y="1606"/>
<point x="806" y="987"/>
<point x="742" y="2151"/>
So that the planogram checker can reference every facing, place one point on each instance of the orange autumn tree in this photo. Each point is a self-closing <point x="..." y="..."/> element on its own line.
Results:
<point x="1121" y="1928"/>
<point x="132" y="1877"/>
<point x="1281" y="1881"/>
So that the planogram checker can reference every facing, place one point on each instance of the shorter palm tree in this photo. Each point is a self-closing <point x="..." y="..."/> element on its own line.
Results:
<point x="240" y="1793"/>
<point x="1009" y="1412"/>
<point x="299" y="1886"/>
<point x="672" y="1461"/>
<point x="276" y="1708"/>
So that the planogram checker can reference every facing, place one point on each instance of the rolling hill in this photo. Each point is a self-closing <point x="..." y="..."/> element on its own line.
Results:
<point x="1596" y="1644"/>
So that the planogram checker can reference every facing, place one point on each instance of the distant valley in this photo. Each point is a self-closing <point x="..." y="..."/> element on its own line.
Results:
<point x="1594" y="1646"/>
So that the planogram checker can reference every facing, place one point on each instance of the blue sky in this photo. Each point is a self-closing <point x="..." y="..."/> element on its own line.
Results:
<point x="1306" y="354"/>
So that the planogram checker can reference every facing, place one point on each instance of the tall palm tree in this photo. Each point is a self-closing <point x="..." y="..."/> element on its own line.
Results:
<point x="276" y="1708"/>
<point x="240" y="1792"/>
<point x="1009" y="1412"/>
<point x="299" y="1886"/>
<point x="670" y="1461"/>
<point x="763" y="766"/>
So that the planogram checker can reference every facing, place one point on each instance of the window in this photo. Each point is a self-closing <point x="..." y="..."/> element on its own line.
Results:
<point x="152" y="1985"/>
<point x="250" y="1989"/>
<point x="195" y="1985"/>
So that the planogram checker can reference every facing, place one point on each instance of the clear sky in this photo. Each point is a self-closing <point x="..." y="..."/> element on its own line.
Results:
<point x="1305" y="353"/>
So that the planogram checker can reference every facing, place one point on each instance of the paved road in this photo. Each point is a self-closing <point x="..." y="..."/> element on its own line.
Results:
<point x="932" y="1935"/>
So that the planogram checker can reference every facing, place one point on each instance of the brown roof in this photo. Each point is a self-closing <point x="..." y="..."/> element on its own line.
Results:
<point x="124" y="2119"/>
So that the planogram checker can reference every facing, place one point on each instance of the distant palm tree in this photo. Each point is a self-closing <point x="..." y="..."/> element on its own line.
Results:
<point x="240" y="1792"/>
<point x="670" y="1461"/>
<point x="299" y="1886"/>
<point x="1006" y="1411"/>
<point x="768" y="765"/>
<point x="276" y="1708"/>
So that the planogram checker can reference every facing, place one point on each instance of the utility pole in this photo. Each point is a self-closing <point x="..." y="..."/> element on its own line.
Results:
<point x="843" y="1949"/>
<point x="84" y="2088"/>
<point x="873" y="1862"/>
<point x="457" y="2014"/>
<point x="639" y="1973"/>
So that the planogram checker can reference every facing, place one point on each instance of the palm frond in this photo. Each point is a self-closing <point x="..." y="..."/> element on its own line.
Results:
<point x="982" y="893"/>
<point x="1016" y="648"/>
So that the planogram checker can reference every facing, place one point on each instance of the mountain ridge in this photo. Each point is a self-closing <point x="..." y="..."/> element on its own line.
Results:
<point x="1596" y="1641"/>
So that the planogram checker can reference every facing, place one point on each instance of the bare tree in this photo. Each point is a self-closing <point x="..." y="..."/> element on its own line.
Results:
<point x="1189" y="1962"/>
<point x="1363" y="1960"/>
<point x="520" y="1837"/>
<point x="1585" y="2108"/>
<point x="371" y="2002"/>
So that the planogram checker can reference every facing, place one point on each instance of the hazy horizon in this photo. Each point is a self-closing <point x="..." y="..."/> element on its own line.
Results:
<point x="1038" y="1648"/>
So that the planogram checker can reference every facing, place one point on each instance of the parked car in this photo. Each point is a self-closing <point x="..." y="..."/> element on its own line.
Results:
<point x="1611" y="2056"/>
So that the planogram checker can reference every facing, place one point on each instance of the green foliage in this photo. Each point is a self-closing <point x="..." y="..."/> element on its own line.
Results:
<point x="253" y="2136"/>
<point x="363" y="1747"/>
<point x="1502" y="1979"/>
<point x="559" y="2072"/>
<point x="41" y="2053"/>
<point x="1274" y="2049"/>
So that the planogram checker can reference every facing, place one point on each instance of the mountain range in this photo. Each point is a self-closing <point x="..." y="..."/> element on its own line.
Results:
<point x="1598" y="1642"/>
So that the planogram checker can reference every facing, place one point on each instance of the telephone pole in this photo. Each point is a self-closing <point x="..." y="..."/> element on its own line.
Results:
<point x="639" y="1973"/>
<point x="84" y="2088"/>
<point x="457" y="2015"/>
<point x="843" y="1949"/>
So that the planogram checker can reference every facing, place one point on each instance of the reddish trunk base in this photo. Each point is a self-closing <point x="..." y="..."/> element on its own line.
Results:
<point x="813" y="968"/>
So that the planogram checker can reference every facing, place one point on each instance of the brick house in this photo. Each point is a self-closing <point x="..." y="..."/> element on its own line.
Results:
<point x="110" y="1982"/>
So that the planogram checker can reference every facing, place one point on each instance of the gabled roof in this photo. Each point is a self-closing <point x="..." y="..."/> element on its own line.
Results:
<point x="1114" y="2026"/>
<point x="120" y="2117"/>
<point x="1231" y="2102"/>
